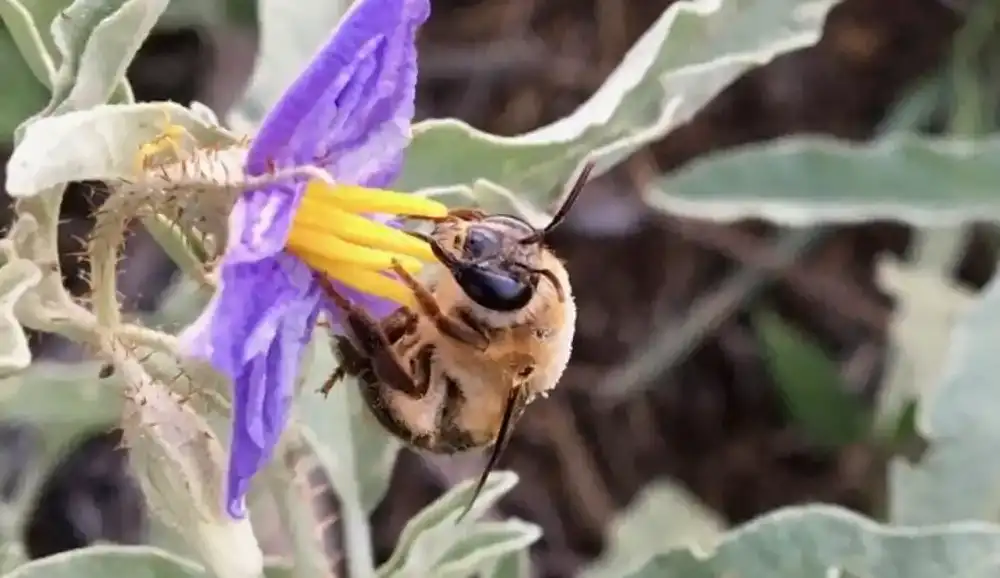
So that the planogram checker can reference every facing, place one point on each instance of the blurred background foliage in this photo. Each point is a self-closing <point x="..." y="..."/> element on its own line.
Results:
<point x="777" y="392"/>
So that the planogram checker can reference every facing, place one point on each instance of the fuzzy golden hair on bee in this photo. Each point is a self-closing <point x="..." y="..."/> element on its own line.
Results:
<point x="492" y="329"/>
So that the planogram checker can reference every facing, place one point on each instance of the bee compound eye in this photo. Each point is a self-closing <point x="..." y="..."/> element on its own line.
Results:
<point x="495" y="289"/>
<point x="480" y="242"/>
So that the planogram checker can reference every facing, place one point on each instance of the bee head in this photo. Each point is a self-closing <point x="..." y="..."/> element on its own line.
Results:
<point x="498" y="260"/>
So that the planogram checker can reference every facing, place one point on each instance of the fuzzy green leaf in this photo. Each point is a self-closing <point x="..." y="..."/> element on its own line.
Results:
<point x="429" y="536"/>
<point x="298" y="515"/>
<point x="98" y="39"/>
<point x="183" y="246"/>
<point x="958" y="477"/>
<point x="354" y="450"/>
<point x="24" y="23"/>
<point x="290" y="35"/>
<point x="16" y="278"/>
<point x="108" y="561"/>
<point x="192" y="14"/>
<point x="63" y="401"/>
<point x="816" y="541"/>
<point x="374" y="451"/>
<point x="927" y="306"/>
<point x="484" y="546"/>
<point x="51" y="394"/>
<point x="514" y="565"/>
<point x="488" y="197"/>
<point x="12" y="556"/>
<point x="274" y="569"/>
<point x="639" y="532"/>
<point x="24" y="95"/>
<point x="101" y="143"/>
<point x="693" y="51"/>
<point x="807" y="179"/>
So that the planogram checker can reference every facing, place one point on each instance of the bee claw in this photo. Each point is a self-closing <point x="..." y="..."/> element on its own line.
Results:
<point x="338" y="374"/>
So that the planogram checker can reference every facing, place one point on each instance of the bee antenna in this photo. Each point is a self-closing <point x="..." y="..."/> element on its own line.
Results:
<point x="549" y="276"/>
<point x="563" y="210"/>
<point x="503" y="436"/>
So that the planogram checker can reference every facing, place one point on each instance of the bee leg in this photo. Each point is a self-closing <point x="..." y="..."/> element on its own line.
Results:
<point x="352" y="362"/>
<point x="449" y="326"/>
<point x="467" y="214"/>
<point x="370" y="343"/>
<point x="459" y="214"/>
<point x="331" y="381"/>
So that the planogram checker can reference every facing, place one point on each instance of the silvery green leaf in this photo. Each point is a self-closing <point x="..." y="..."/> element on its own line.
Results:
<point x="428" y="537"/>
<point x="12" y="555"/>
<point x="204" y="113"/>
<point x="928" y="303"/>
<point x="479" y="549"/>
<point x="354" y="450"/>
<point x="107" y="561"/>
<point x="100" y="143"/>
<point x="24" y="95"/>
<point x="180" y="304"/>
<point x="291" y="481"/>
<point x="51" y="394"/>
<point x="181" y="244"/>
<point x="277" y="569"/>
<point x="662" y="517"/>
<point x="290" y="35"/>
<point x="958" y="477"/>
<point x="344" y="416"/>
<point x="513" y="565"/>
<point x="488" y="197"/>
<point x="822" y="541"/>
<point x="16" y="278"/>
<point x="242" y="13"/>
<point x="24" y="24"/>
<point x="806" y="179"/>
<point x="192" y="14"/>
<point x="63" y="401"/>
<point x="97" y="40"/>
<point x="693" y="51"/>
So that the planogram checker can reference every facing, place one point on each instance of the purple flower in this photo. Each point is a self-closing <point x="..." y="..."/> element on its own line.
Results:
<point x="348" y="113"/>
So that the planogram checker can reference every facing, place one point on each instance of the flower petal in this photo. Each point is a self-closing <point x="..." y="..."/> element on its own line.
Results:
<point x="255" y="331"/>
<point x="350" y="111"/>
<point x="262" y="396"/>
<point x="260" y="221"/>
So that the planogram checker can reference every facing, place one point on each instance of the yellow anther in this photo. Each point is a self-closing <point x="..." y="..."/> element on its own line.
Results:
<point x="331" y="237"/>
<point x="328" y="246"/>
<point x="365" y="280"/>
<point x="357" y="199"/>
<point x="322" y="218"/>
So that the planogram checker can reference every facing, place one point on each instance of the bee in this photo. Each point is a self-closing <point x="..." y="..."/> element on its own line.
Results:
<point x="491" y="330"/>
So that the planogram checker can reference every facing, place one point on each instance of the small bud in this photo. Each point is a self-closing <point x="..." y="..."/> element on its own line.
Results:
<point x="181" y="465"/>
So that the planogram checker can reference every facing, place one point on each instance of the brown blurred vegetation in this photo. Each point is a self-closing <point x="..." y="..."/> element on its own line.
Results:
<point x="714" y="421"/>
